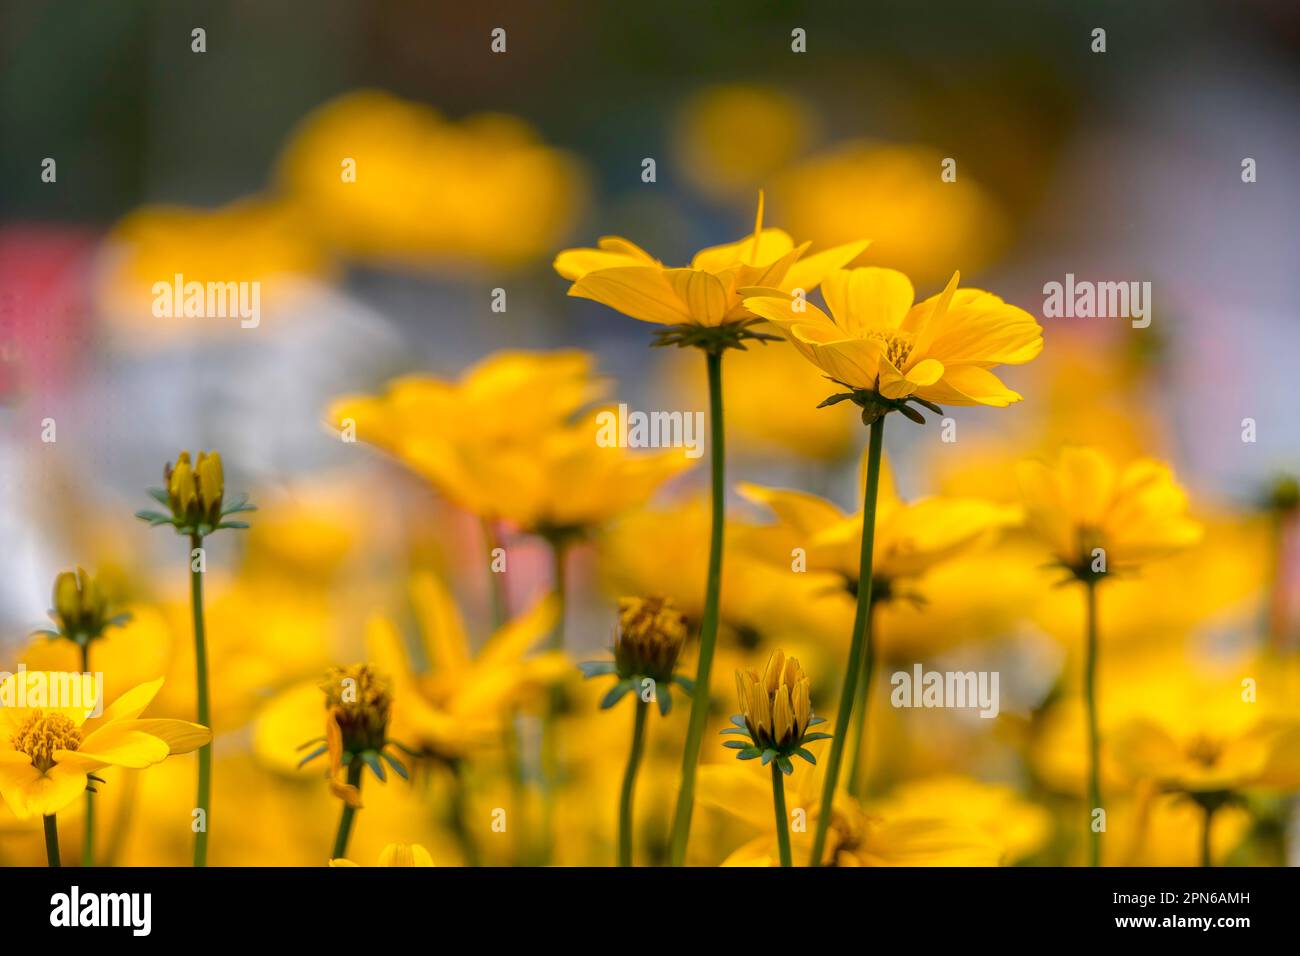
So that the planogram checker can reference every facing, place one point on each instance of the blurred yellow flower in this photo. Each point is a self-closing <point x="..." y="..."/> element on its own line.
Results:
<point x="910" y="538"/>
<point x="895" y="194"/>
<point x="623" y="276"/>
<point x="715" y="142"/>
<point x="449" y="705"/>
<point x="1198" y="757"/>
<point x="1085" y="503"/>
<point x="48" y="752"/>
<point x="1020" y="827"/>
<point x="939" y="350"/>
<point x="251" y="241"/>
<point x="396" y="854"/>
<point x="381" y="178"/>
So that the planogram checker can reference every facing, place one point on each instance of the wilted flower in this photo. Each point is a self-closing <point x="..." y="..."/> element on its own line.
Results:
<point x="651" y="632"/>
<point x="358" y="702"/>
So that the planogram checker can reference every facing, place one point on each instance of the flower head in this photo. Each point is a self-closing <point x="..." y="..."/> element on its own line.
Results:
<point x="651" y="632"/>
<point x="889" y="351"/>
<point x="194" y="493"/>
<point x="80" y="608"/>
<point x="49" y="753"/>
<point x="701" y="304"/>
<point x="358" y="702"/>
<point x="1086" y="508"/>
<point x="775" y="713"/>
<point x="398" y="855"/>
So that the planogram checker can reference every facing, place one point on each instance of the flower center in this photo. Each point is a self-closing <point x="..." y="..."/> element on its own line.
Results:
<point x="42" y="734"/>
<point x="1204" y="751"/>
<point x="897" y="344"/>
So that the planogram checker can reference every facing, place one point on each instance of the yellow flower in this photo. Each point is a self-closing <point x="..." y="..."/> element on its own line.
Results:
<point x="715" y="142"/>
<point x="381" y="178"/>
<point x="651" y="632"/>
<point x="396" y="854"/>
<point x="1197" y="758"/>
<point x="253" y="241"/>
<point x="48" y="753"/>
<point x="358" y="702"/>
<point x="459" y="703"/>
<point x="80" y="608"/>
<point x="1020" y="827"/>
<point x="894" y="193"/>
<point x="937" y="351"/>
<point x="910" y="538"/>
<point x="775" y="713"/>
<point x="622" y="275"/>
<point x="1085" y="502"/>
<point x="856" y="837"/>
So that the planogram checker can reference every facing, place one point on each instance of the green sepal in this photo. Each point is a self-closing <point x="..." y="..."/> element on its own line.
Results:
<point x="616" y="693"/>
<point x="375" y="764"/>
<point x="806" y="755"/>
<point x="160" y="495"/>
<point x="813" y="722"/>
<point x="736" y="744"/>
<point x="786" y="766"/>
<point x="665" y="700"/>
<point x="734" y="730"/>
<point x="685" y="683"/>
<point x="238" y="525"/>
<point x="312" y="756"/>
<point x="154" y="518"/>
<point x="749" y="753"/>
<point x="592" y="669"/>
<point x="819" y="735"/>
<point x="768" y="756"/>
<point x="398" y="767"/>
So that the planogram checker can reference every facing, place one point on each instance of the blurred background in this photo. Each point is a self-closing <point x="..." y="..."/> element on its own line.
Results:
<point x="474" y="168"/>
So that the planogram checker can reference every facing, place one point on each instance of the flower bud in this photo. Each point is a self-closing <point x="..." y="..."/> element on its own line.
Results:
<point x="651" y="632"/>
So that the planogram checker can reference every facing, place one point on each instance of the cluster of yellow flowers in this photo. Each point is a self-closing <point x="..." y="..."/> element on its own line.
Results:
<point x="1129" y="745"/>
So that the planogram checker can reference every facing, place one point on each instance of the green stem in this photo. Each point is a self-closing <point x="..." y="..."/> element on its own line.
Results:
<point x="782" y="820"/>
<point x="629" y="784"/>
<point x="458" y="815"/>
<point x="349" y="812"/>
<point x="88" y="834"/>
<point x="509" y="732"/>
<point x="861" y="627"/>
<point x="857" y="784"/>
<point x="550" y="741"/>
<point x="1206" y="859"/>
<point x="709" y="624"/>
<point x="204" y="801"/>
<point x="1094" y="739"/>
<point x="52" y="840"/>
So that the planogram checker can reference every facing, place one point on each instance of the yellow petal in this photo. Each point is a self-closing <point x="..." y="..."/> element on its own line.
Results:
<point x="703" y="294"/>
<point x="868" y="298"/>
<point x="811" y="271"/>
<point x="30" y="793"/>
<point x="180" y="736"/>
<point x="642" y="292"/>
<point x="123" y="744"/>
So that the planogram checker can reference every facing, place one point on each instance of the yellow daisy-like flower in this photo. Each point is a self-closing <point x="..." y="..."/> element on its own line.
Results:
<point x="707" y="293"/>
<point x="48" y="753"/>
<point x="877" y="341"/>
<point x="396" y="854"/>
<point x="910" y="538"/>
<point x="1085" y="503"/>
<point x="1193" y="758"/>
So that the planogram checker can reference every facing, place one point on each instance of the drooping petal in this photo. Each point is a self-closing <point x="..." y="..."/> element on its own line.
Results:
<point x="977" y="328"/>
<point x="968" y="385"/>
<point x="703" y="294"/>
<point x="641" y="292"/>
<point x="180" y="736"/>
